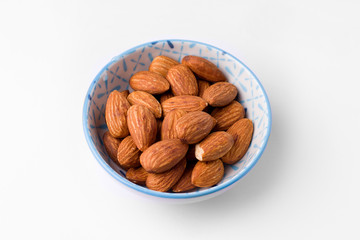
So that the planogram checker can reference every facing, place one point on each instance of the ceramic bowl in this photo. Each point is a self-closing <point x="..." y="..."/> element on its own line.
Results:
<point x="115" y="76"/>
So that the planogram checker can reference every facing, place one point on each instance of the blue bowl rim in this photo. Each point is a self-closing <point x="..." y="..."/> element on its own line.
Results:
<point x="144" y="190"/>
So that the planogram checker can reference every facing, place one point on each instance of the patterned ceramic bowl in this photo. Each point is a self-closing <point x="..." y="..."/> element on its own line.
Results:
<point x="115" y="76"/>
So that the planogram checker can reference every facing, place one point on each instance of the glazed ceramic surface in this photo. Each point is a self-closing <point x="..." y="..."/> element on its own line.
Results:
<point x="115" y="76"/>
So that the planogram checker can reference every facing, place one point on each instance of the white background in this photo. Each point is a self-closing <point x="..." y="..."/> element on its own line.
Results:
<point x="305" y="53"/>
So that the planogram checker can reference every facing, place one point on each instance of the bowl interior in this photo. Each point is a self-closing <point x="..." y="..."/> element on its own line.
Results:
<point x="116" y="74"/>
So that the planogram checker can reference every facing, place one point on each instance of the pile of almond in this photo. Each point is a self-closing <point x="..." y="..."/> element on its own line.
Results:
<point x="178" y="127"/>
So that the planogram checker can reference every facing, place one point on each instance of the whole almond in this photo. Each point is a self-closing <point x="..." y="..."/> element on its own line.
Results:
<point x="207" y="174"/>
<point x="203" y="85"/>
<point x="204" y="68"/>
<point x="220" y="94"/>
<point x="241" y="131"/>
<point x="184" y="184"/>
<point x="163" y="155"/>
<point x="149" y="82"/>
<point x="182" y="80"/>
<point x="128" y="155"/>
<point x="165" y="96"/>
<point x="194" y="126"/>
<point x="227" y="116"/>
<point x="169" y="123"/>
<point x="162" y="182"/>
<point x="186" y="102"/>
<point x="137" y="175"/>
<point x="111" y="145"/>
<point x="115" y="114"/>
<point x="214" y="146"/>
<point x="142" y="126"/>
<point x="147" y="100"/>
<point x="162" y="64"/>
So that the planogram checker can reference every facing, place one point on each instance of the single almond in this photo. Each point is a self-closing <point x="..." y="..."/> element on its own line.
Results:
<point x="162" y="64"/>
<point x="163" y="182"/>
<point x="142" y="126"/>
<point x="147" y="100"/>
<point x="182" y="80"/>
<point x="149" y="82"/>
<point x="137" y="175"/>
<point x="242" y="132"/>
<point x="169" y="123"/>
<point x="185" y="102"/>
<point x="220" y="94"/>
<point x="115" y="114"/>
<point x="214" y="146"/>
<point x="128" y="155"/>
<point x="163" y="155"/>
<point x="184" y="184"/>
<point x="194" y="126"/>
<point x="111" y="145"/>
<point x="204" y="68"/>
<point x="165" y="96"/>
<point x="203" y="85"/>
<point x="228" y="115"/>
<point x="207" y="174"/>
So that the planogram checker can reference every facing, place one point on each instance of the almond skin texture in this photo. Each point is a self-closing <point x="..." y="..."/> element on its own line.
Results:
<point x="242" y="132"/>
<point x="214" y="146"/>
<point x="147" y="100"/>
<point x="128" y="155"/>
<point x="163" y="155"/>
<point x="149" y="82"/>
<point x="204" y="68"/>
<point x="137" y="175"/>
<point x="186" y="102"/>
<point x="220" y="94"/>
<point x="115" y="114"/>
<point x="194" y="126"/>
<point x="166" y="96"/>
<point x="162" y="64"/>
<point x="182" y="81"/>
<point x="111" y="145"/>
<point x="207" y="174"/>
<point x="142" y="126"/>
<point x="169" y="123"/>
<point x="162" y="182"/>
<point x="203" y="85"/>
<point x="184" y="184"/>
<point x="227" y="116"/>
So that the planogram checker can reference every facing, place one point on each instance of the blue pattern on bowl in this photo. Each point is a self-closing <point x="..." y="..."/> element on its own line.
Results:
<point x="115" y="76"/>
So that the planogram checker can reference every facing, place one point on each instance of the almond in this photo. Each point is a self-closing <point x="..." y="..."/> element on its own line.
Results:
<point x="220" y="94"/>
<point x="111" y="145"/>
<point x="227" y="116"/>
<point x="203" y="85"/>
<point x="163" y="155"/>
<point x="194" y="126"/>
<point x="182" y="80"/>
<point x="115" y="114"/>
<point x="128" y="155"/>
<point x="165" y="96"/>
<point x="185" y="102"/>
<point x="241" y="131"/>
<point x="207" y="174"/>
<point x="147" y="100"/>
<point x="149" y="82"/>
<point x="137" y="175"/>
<point x="162" y="64"/>
<point x="162" y="182"/>
<point x="142" y="126"/>
<point x="184" y="184"/>
<point x="214" y="146"/>
<point x="204" y="68"/>
<point x="169" y="123"/>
